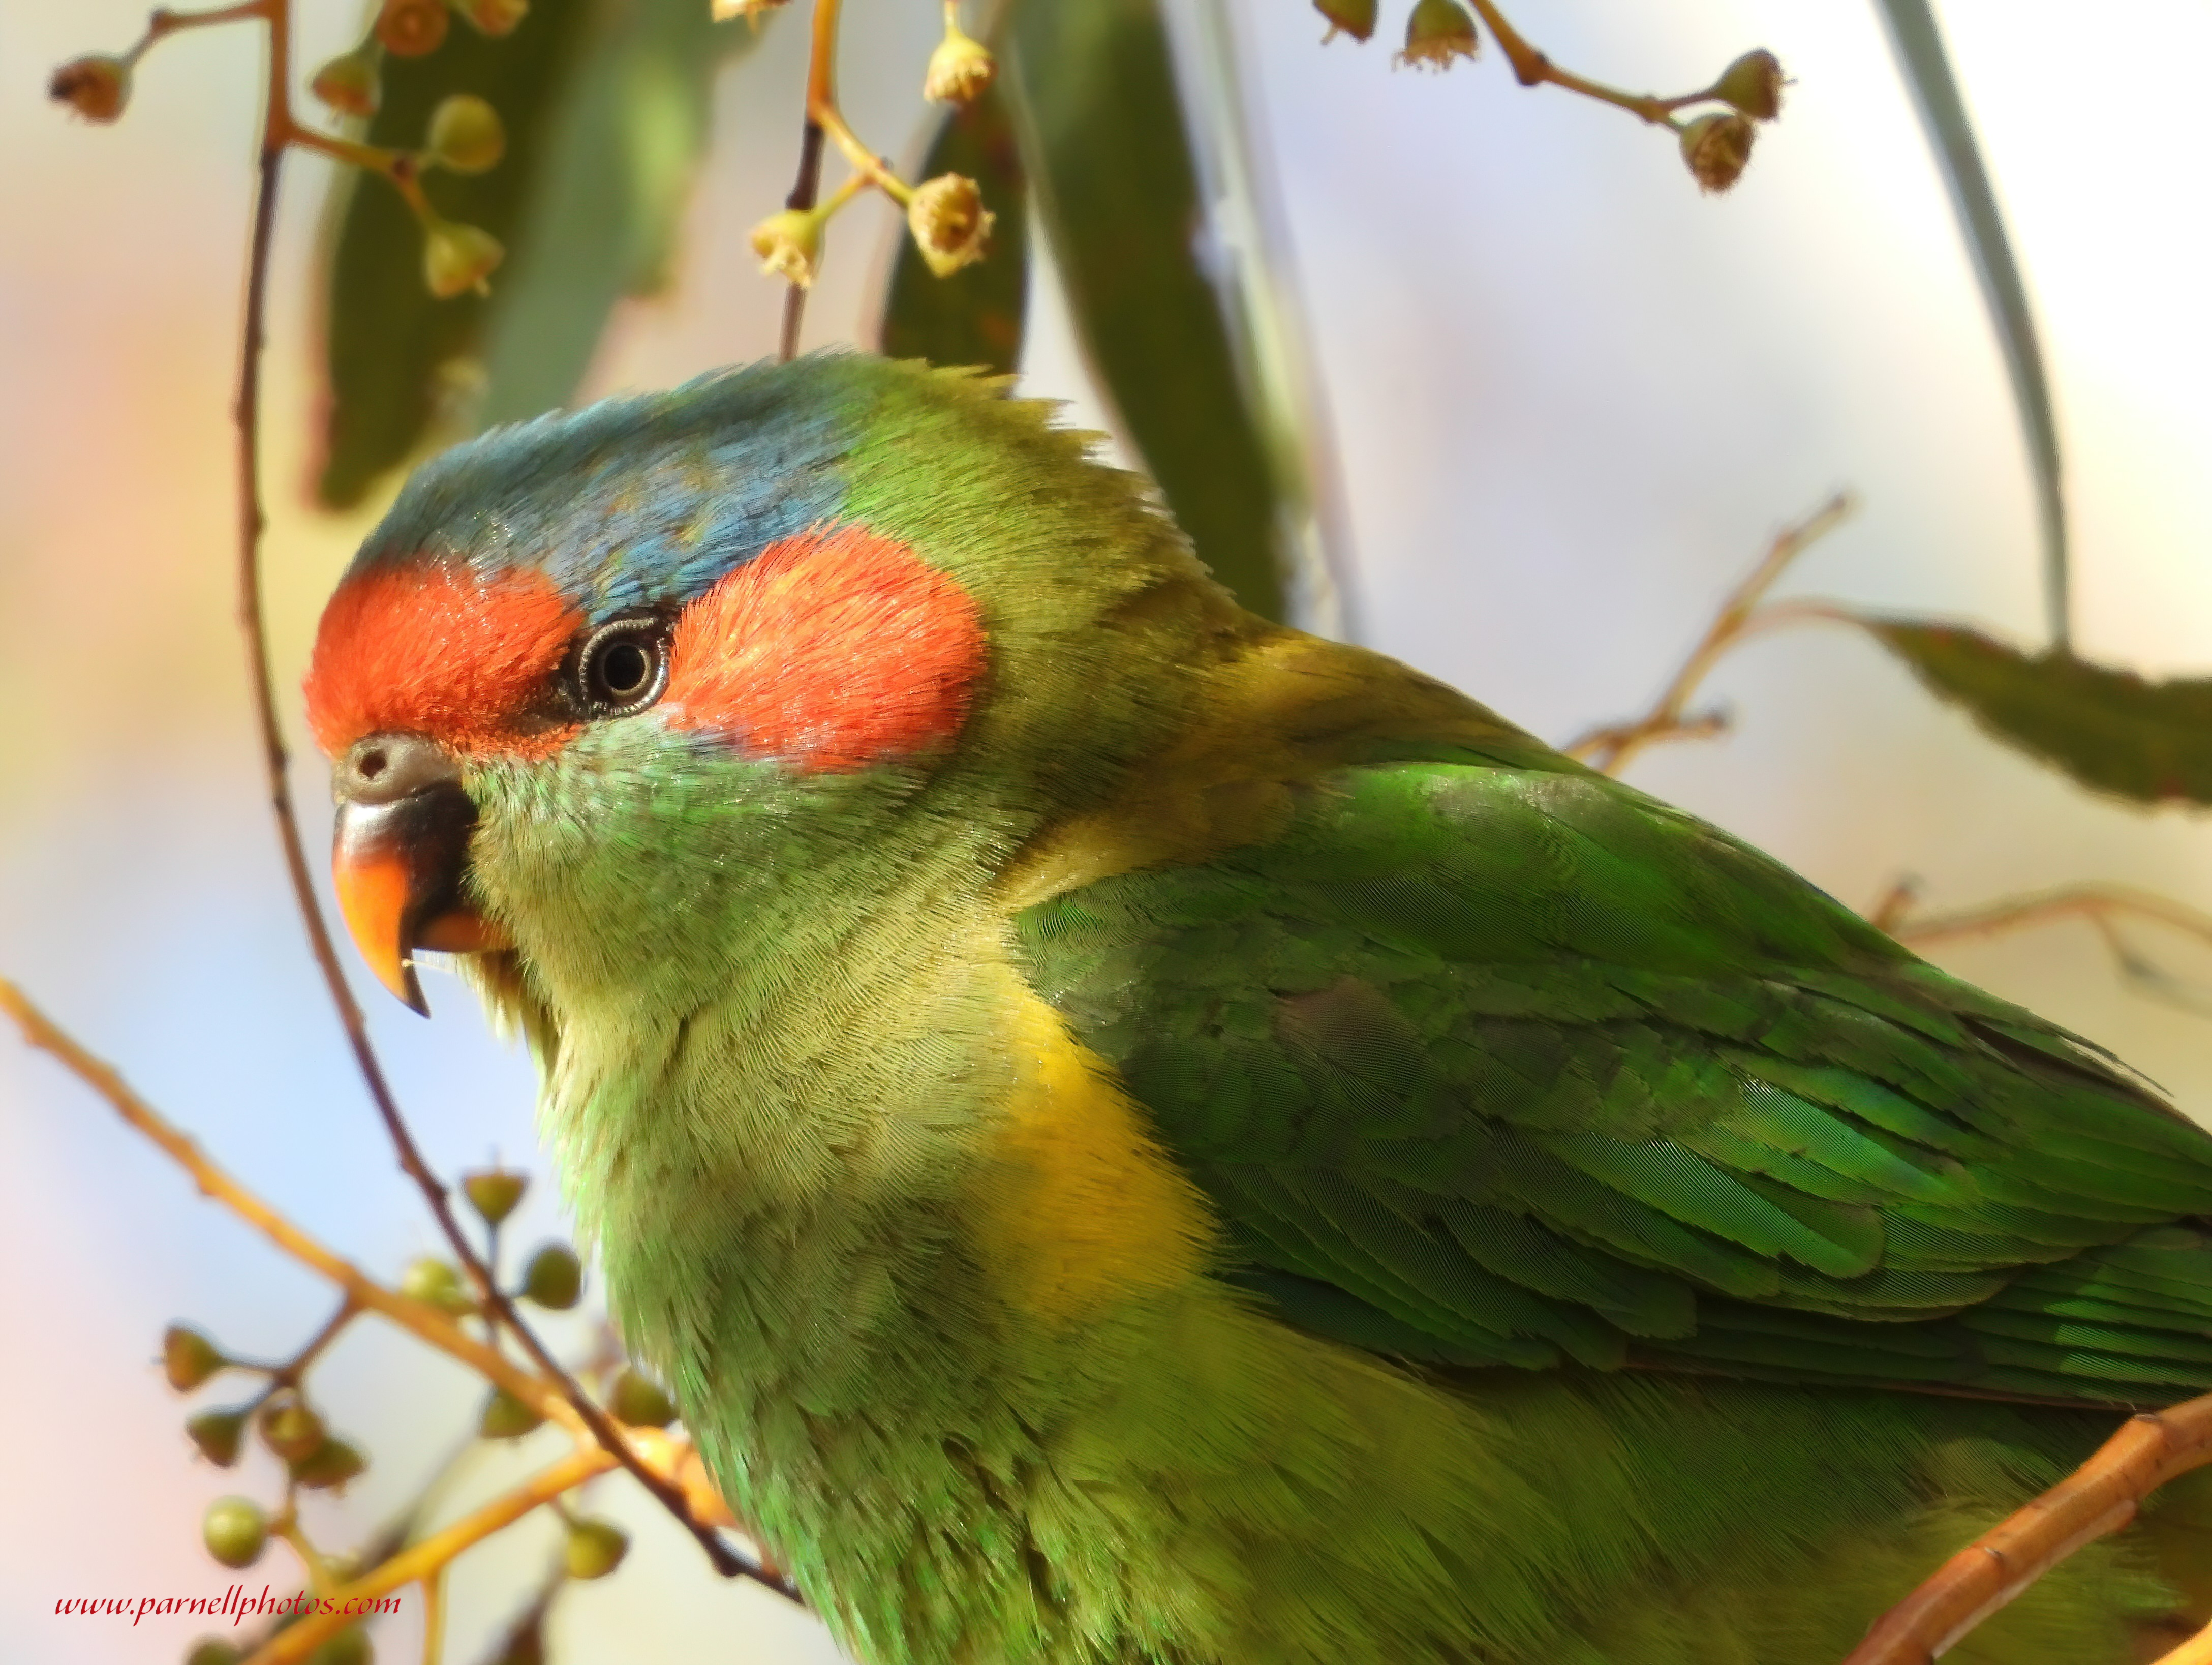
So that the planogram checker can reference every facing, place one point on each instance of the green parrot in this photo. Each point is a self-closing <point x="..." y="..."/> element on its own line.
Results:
<point x="1136" y="1134"/>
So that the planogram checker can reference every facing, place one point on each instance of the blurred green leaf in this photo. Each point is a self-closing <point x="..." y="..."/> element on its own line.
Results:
<point x="1104" y="144"/>
<point x="1919" y="47"/>
<point x="2112" y="730"/>
<point x="391" y="347"/>
<point x="603" y="213"/>
<point x="607" y="104"/>
<point x="976" y="315"/>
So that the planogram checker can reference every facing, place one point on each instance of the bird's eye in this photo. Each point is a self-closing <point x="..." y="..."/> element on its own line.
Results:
<point x="623" y="666"/>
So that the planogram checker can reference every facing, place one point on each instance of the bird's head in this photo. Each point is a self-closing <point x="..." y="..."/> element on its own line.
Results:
<point x="623" y="690"/>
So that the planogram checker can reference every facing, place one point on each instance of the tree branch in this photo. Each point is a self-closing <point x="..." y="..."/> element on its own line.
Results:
<point x="1608" y="749"/>
<point x="2100" y="1497"/>
<point x="422" y="1560"/>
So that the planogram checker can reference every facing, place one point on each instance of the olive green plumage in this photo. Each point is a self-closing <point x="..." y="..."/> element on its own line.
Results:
<point x="1452" y="1208"/>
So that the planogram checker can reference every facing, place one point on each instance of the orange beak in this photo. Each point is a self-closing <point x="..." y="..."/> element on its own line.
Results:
<point x="400" y="859"/>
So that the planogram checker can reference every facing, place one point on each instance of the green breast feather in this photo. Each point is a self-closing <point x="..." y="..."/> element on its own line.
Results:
<point x="1484" y="1065"/>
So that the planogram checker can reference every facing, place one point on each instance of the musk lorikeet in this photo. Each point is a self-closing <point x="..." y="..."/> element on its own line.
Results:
<point x="1138" y="1135"/>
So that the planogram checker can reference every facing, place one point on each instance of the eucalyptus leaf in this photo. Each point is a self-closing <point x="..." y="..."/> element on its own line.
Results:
<point x="395" y="354"/>
<point x="975" y="316"/>
<point x="606" y="105"/>
<point x="1920" y="53"/>
<point x="603" y="212"/>
<point x="2148" y="741"/>
<point x="1109" y="158"/>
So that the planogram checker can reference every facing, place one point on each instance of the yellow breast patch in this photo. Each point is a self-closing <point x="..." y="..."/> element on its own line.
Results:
<point x="1081" y="1208"/>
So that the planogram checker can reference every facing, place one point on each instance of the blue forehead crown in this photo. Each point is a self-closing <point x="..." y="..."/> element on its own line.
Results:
<point x="640" y="500"/>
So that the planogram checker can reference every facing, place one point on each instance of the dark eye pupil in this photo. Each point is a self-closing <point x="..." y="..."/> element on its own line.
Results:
<point x="624" y="669"/>
<point x="620" y="668"/>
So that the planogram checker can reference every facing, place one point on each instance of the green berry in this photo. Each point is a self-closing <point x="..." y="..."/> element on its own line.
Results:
<point x="213" y="1650"/>
<point x="217" y="1433"/>
<point x="554" y="1278"/>
<point x="329" y="1466"/>
<point x="493" y="1191"/>
<point x="96" y="88"/>
<point x="435" y="1283"/>
<point x="506" y="1417"/>
<point x="1438" y="33"/>
<point x="235" y="1530"/>
<point x="1754" y="85"/>
<point x="457" y="259"/>
<point x="289" y="1428"/>
<point x="188" y="1358"/>
<point x="466" y="136"/>
<point x="350" y="85"/>
<point x="639" y="1400"/>
<point x="1715" y="148"/>
<point x="594" y="1548"/>
<point x="1353" y="17"/>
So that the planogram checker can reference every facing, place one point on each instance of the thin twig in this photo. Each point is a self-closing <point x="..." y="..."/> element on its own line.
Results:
<point x="1532" y="69"/>
<point x="2198" y="1650"/>
<point x="2100" y="1497"/>
<point x="2101" y="905"/>
<point x="419" y="1318"/>
<point x="420" y="1560"/>
<point x="278" y="131"/>
<point x="1608" y="749"/>
<point x="821" y="92"/>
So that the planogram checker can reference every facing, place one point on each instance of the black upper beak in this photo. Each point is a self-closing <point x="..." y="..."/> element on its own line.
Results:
<point x="400" y="856"/>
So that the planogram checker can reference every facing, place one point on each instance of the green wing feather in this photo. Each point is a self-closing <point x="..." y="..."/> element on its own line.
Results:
<point x="1493" y="1061"/>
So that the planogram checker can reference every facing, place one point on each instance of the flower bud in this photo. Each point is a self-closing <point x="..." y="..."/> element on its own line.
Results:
<point x="789" y="245"/>
<point x="457" y="259"/>
<point x="1353" y="17"/>
<point x="554" y="1278"/>
<point x="594" y="1548"/>
<point x="329" y="1466"/>
<point x="1753" y="85"/>
<point x="96" y="88"/>
<point x="1438" y="32"/>
<point x="506" y="1417"/>
<point x="959" y="70"/>
<point x="188" y="1358"/>
<point x="217" y="1434"/>
<point x="466" y="136"/>
<point x="213" y="1650"/>
<point x="429" y="1279"/>
<point x="411" y="28"/>
<point x="235" y="1529"/>
<point x="1716" y="147"/>
<point x="638" y="1401"/>
<point x="493" y="1191"/>
<point x="949" y="223"/>
<point x="288" y="1427"/>
<point x="493" y="17"/>
<point x="350" y="85"/>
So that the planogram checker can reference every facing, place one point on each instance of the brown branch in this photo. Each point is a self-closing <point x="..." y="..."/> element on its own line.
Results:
<point x="1609" y="749"/>
<point x="2067" y="901"/>
<point x="673" y="1463"/>
<point x="821" y="93"/>
<point x="2198" y="1650"/>
<point x="2100" y="1497"/>
<point x="422" y="1561"/>
<point x="2101" y="905"/>
<point x="1532" y="69"/>
<point x="278" y="130"/>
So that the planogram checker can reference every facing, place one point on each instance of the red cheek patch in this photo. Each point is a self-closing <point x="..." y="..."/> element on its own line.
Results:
<point x="833" y="649"/>
<point x="426" y="650"/>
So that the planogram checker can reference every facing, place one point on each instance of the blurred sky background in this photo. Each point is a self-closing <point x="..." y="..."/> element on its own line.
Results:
<point x="1574" y="400"/>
